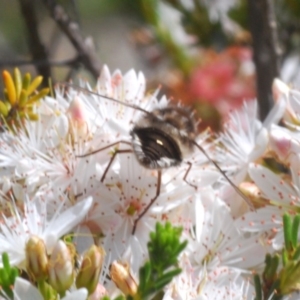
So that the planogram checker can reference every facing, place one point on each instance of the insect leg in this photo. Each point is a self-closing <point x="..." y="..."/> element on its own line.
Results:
<point x="151" y="202"/>
<point x="186" y="174"/>
<point x="112" y="159"/>
<point x="104" y="148"/>
<point x="238" y="191"/>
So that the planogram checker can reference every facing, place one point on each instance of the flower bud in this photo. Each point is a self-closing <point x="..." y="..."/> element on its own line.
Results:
<point x="78" y="117"/>
<point x="61" y="267"/>
<point x="251" y="191"/>
<point x="90" y="269"/>
<point x="36" y="258"/>
<point x="121" y="276"/>
<point x="279" y="89"/>
<point x="98" y="293"/>
<point x="10" y="87"/>
<point x="281" y="143"/>
<point x="3" y="109"/>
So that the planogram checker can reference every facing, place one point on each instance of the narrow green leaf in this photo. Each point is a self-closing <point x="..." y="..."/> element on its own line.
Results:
<point x="287" y="229"/>
<point x="274" y="290"/>
<point x="284" y="257"/>
<point x="294" y="231"/>
<point x="258" y="289"/>
<point x="166" y="278"/>
<point x="2" y="275"/>
<point x="273" y="267"/>
<point x="5" y="261"/>
<point x="14" y="273"/>
<point x="268" y="263"/>
<point x="145" y="273"/>
<point x="297" y="253"/>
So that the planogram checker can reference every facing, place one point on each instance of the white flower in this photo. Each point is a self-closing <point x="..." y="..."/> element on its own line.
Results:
<point x="195" y="284"/>
<point x="23" y="289"/>
<point x="284" y="143"/>
<point x="128" y="189"/>
<point x="16" y="230"/>
<point x="217" y="241"/>
<point x="74" y="172"/>
<point x="244" y="139"/>
<point x="282" y="193"/>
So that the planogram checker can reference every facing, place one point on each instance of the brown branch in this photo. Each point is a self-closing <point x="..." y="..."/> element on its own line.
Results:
<point x="74" y="62"/>
<point x="266" y="49"/>
<point x="35" y="44"/>
<point x="83" y="46"/>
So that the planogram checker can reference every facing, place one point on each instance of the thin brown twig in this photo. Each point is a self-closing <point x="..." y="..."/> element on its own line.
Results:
<point x="266" y="50"/>
<point x="74" y="62"/>
<point x="84" y="46"/>
<point x="37" y="49"/>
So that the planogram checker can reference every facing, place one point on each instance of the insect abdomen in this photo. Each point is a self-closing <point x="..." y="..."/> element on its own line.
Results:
<point x="154" y="148"/>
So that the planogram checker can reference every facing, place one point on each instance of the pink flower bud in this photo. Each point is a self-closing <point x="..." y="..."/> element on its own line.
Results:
<point x="280" y="143"/>
<point x="77" y="117"/>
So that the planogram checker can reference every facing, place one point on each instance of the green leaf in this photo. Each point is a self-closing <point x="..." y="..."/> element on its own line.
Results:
<point x="287" y="229"/>
<point x="284" y="257"/>
<point x="166" y="279"/>
<point x="271" y="267"/>
<point x="145" y="274"/>
<point x="8" y="275"/>
<point x="164" y="247"/>
<point x="258" y="288"/>
<point x="294" y="231"/>
<point x="296" y="254"/>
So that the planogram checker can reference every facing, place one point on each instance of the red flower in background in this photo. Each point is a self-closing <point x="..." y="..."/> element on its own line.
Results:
<point x="223" y="80"/>
<point x="211" y="82"/>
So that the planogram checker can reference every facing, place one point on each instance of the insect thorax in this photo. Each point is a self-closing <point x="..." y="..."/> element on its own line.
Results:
<point x="162" y="138"/>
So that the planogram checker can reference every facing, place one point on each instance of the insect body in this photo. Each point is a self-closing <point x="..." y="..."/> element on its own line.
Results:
<point x="161" y="139"/>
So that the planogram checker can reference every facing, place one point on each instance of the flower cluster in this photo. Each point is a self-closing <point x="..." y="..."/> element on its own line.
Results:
<point x="224" y="80"/>
<point x="67" y="216"/>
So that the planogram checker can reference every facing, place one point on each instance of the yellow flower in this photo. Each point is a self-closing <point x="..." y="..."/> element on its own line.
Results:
<point x="20" y="97"/>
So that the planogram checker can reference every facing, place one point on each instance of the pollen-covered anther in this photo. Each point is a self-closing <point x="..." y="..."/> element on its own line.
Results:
<point x="134" y="206"/>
